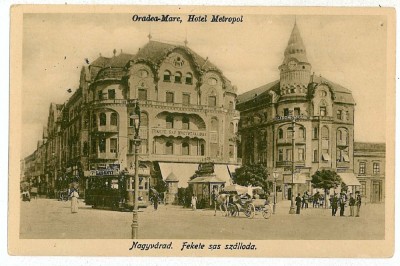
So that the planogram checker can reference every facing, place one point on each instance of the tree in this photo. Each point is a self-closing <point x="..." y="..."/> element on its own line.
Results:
<point x="326" y="179"/>
<point x="252" y="174"/>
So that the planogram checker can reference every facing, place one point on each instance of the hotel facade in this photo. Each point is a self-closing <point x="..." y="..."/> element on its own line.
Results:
<point x="187" y="117"/>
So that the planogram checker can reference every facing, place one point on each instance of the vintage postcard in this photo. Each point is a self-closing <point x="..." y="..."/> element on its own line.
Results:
<point x="191" y="131"/>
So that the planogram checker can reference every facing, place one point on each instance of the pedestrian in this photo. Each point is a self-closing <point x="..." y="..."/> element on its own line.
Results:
<point x="194" y="202"/>
<point x="352" y="202"/>
<point x="321" y="200"/>
<point x="334" y="204"/>
<point x="304" y="202"/>
<point x="316" y="200"/>
<point x="358" y="203"/>
<point x="342" y="202"/>
<point x="155" y="201"/>
<point x="298" y="203"/>
<point x="74" y="201"/>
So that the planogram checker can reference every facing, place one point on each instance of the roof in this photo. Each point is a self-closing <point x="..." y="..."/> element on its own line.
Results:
<point x="295" y="47"/>
<point x="244" y="97"/>
<point x="172" y="178"/>
<point x="369" y="146"/>
<point x="156" y="51"/>
<point x="119" y="60"/>
<point x="341" y="93"/>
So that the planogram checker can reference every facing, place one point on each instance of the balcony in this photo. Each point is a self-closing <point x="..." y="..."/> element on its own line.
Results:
<point x="99" y="103"/>
<point x="288" y="164"/>
<point x="288" y="141"/>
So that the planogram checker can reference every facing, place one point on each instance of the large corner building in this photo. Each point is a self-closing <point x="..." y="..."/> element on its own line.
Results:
<point x="187" y="115"/>
<point x="323" y="129"/>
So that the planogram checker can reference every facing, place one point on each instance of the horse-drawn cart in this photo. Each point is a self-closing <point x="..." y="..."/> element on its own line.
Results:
<point x="249" y="208"/>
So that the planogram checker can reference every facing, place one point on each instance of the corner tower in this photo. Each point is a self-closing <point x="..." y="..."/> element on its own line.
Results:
<point x="295" y="71"/>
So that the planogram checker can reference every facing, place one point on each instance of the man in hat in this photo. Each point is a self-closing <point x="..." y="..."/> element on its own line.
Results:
<point x="334" y="204"/>
<point x="358" y="203"/>
<point x="342" y="202"/>
<point x="352" y="202"/>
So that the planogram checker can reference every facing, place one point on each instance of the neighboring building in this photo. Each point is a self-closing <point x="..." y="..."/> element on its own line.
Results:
<point x="324" y="129"/>
<point x="188" y="117"/>
<point x="369" y="166"/>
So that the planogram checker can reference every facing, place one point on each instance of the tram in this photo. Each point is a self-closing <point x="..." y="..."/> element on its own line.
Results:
<point x="113" y="192"/>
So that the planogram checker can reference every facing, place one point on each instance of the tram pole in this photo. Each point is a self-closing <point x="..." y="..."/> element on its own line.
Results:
<point x="135" y="217"/>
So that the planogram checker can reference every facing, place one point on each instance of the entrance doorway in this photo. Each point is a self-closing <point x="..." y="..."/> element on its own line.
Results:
<point x="376" y="192"/>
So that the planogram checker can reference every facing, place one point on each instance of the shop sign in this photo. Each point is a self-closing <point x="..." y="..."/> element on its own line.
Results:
<point x="102" y="172"/>
<point x="179" y="133"/>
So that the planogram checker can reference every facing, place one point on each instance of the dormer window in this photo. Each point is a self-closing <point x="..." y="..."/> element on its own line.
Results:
<point x="189" y="78"/>
<point x="178" y="77"/>
<point x="167" y="76"/>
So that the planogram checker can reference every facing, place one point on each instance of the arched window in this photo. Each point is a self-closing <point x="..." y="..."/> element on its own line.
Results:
<point x="202" y="150"/>
<point x="289" y="133"/>
<point x="280" y="133"/>
<point x="185" y="122"/>
<point x="169" y="147"/>
<point x="339" y="114"/>
<point x="325" y="133"/>
<point x="103" y="119"/>
<point x="144" y="119"/>
<point x="302" y="133"/>
<point x="169" y="121"/>
<point x="114" y="119"/>
<point x="167" y="75"/>
<point x="142" y="94"/>
<point x="189" y="78"/>
<point x="185" y="148"/>
<point x="178" y="77"/>
<point x="214" y="124"/>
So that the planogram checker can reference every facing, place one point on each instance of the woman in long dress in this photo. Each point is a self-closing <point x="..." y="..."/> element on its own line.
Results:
<point x="74" y="201"/>
<point x="194" y="202"/>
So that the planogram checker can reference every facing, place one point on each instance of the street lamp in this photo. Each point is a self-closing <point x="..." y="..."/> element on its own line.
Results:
<point x="136" y="123"/>
<point x="275" y="175"/>
<point x="292" y="203"/>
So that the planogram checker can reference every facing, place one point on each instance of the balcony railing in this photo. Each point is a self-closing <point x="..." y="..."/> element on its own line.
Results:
<point x="286" y="164"/>
<point x="289" y="141"/>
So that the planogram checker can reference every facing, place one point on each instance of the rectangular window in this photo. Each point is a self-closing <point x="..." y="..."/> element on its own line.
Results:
<point x="111" y="94"/>
<point x="185" y="148"/>
<point x="376" y="168"/>
<point x="169" y="148"/>
<point x="113" y="145"/>
<point x="315" y="133"/>
<point x="286" y="112"/>
<point x="143" y="146"/>
<point x="212" y="101"/>
<point x="296" y="111"/>
<point x="289" y="155"/>
<point x="339" y="114"/>
<point x="363" y="188"/>
<point x="186" y="99"/>
<point x="315" y="156"/>
<point x="100" y="95"/>
<point x="231" y="105"/>
<point x="102" y="145"/>
<point x="362" y="168"/>
<point x="301" y="154"/>
<point x="142" y="94"/>
<point x="94" y="146"/>
<point x="169" y="97"/>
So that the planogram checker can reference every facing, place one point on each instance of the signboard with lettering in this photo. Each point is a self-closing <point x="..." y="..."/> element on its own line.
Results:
<point x="179" y="133"/>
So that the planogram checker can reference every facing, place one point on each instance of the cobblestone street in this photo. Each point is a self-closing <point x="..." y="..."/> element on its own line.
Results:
<point x="52" y="219"/>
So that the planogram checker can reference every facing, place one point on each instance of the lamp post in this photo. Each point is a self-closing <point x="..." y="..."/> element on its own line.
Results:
<point x="135" y="218"/>
<point x="292" y="203"/>
<point x="275" y="175"/>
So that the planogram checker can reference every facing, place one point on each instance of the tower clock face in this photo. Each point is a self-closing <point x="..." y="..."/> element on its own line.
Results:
<point x="292" y="64"/>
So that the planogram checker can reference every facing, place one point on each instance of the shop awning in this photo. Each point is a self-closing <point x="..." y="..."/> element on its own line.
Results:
<point x="206" y="179"/>
<point x="183" y="171"/>
<point x="349" y="179"/>
<point x="222" y="172"/>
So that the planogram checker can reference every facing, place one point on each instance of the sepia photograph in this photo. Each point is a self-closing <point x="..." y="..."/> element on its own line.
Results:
<point x="201" y="131"/>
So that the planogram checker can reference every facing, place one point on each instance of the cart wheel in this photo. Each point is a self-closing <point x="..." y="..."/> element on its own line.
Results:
<point x="266" y="212"/>
<point x="250" y="211"/>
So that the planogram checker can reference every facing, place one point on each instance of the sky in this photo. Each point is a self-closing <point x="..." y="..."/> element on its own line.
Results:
<point x="348" y="50"/>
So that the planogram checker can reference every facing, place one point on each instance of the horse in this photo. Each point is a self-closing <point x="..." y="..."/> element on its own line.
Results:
<point x="222" y="201"/>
